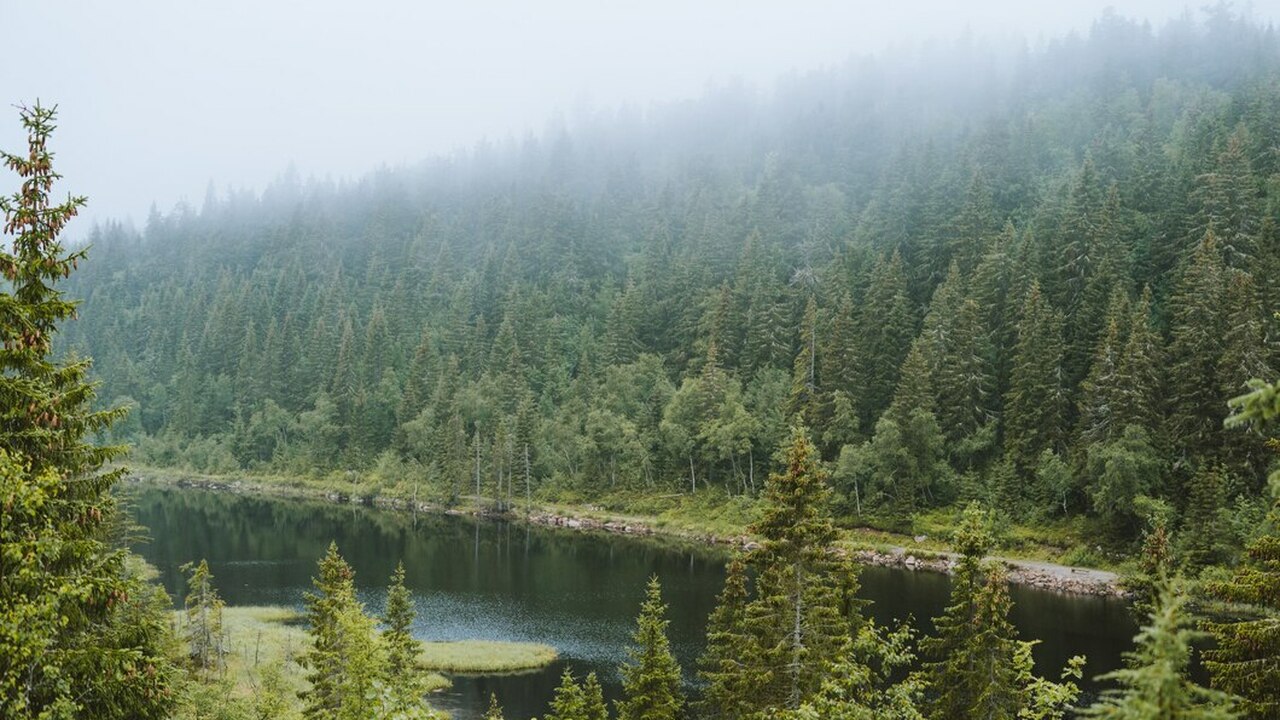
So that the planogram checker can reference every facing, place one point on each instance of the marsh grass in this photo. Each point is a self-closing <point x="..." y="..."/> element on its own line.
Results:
<point x="485" y="657"/>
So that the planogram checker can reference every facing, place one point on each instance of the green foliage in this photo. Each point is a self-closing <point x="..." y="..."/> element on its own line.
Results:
<point x="1109" y="265"/>
<point x="863" y="683"/>
<point x="348" y="661"/>
<point x="81" y="635"/>
<point x="651" y="683"/>
<point x="975" y="665"/>
<point x="203" y="632"/>
<point x="1154" y="685"/>
<point x="771" y="650"/>
<point x="495" y="710"/>
<point x="574" y="701"/>
<point x="401" y="647"/>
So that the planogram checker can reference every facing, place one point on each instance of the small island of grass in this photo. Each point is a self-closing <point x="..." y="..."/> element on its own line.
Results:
<point x="485" y="657"/>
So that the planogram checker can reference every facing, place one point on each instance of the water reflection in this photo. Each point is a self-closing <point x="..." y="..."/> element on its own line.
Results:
<point x="507" y="581"/>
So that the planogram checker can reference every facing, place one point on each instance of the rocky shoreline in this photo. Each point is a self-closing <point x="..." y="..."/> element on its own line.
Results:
<point x="1044" y="576"/>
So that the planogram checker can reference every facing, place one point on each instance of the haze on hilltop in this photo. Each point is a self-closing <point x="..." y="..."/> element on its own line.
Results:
<point x="162" y="101"/>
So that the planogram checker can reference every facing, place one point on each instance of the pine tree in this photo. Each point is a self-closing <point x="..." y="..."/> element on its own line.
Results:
<point x="804" y="609"/>
<point x="402" y="648"/>
<point x="1245" y="657"/>
<point x="970" y="661"/>
<point x="725" y="666"/>
<point x="203" y="632"/>
<point x="79" y="632"/>
<point x="1034" y="412"/>
<point x="651" y="676"/>
<point x="1154" y="685"/>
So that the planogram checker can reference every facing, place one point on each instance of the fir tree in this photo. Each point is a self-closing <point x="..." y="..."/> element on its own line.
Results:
<point x="1034" y="412"/>
<point x="725" y="665"/>
<point x="79" y="633"/>
<point x="402" y="648"/>
<point x="1154" y="685"/>
<point x="203" y="631"/>
<point x="651" y="676"/>
<point x="803" y="609"/>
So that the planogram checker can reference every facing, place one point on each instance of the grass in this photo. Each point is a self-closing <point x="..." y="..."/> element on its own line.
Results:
<point x="712" y="511"/>
<point x="485" y="657"/>
<point x="261" y="636"/>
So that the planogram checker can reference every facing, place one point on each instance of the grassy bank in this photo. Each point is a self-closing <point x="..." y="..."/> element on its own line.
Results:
<point x="707" y="514"/>
<point x="485" y="657"/>
<point x="260" y="637"/>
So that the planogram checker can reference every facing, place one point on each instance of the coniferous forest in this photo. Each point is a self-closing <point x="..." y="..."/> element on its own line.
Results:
<point x="904" y="288"/>
<point x="1028" y="278"/>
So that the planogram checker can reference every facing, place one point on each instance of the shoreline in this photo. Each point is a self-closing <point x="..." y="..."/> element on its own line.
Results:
<point x="1046" y="576"/>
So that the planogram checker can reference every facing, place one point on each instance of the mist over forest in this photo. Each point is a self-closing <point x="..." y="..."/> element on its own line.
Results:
<point x="1003" y="308"/>
<point x="651" y="301"/>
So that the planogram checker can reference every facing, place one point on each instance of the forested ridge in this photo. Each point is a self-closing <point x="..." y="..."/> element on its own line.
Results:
<point x="1028" y="277"/>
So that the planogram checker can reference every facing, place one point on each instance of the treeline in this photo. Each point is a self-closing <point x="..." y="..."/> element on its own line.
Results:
<point x="1031" y="285"/>
<point x="789" y="640"/>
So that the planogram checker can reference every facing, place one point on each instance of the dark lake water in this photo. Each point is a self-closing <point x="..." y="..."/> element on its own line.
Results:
<point x="580" y="592"/>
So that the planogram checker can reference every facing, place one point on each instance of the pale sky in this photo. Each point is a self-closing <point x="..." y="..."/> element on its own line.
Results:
<point x="160" y="97"/>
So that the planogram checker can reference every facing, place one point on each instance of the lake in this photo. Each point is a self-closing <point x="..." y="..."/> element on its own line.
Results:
<point x="503" y="580"/>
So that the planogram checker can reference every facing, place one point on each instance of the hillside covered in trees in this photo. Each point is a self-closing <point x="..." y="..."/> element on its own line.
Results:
<point x="1024" y="276"/>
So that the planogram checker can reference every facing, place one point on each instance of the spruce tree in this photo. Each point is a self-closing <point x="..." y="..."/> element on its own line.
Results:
<point x="593" y="699"/>
<point x="569" y="702"/>
<point x="1196" y="331"/>
<point x="1034" y="406"/>
<point x="725" y="665"/>
<point x="803" y="609"/>
<point x="206" y="648"/>
<point x="1154" y="685"/>
<point x="974" y="642"/>
<point x="805" y="406"/>
<point x="324" y="658"/>
<point x="495" y="710"/>
<point x="402" y="648"/>
<point x="1245" y="657"/>
<point x="651" y="677"/>
<point x="79" y="631"/>
<point x="885" y="328"/>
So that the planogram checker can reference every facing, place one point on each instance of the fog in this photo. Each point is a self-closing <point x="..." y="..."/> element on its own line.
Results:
<point x="161" y="99"/>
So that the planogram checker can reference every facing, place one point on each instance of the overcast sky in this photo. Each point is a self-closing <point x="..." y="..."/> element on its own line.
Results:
<point x="160" y="97"/>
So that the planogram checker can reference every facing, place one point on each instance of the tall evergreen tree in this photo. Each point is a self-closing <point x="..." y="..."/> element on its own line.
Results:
<point x="725" y="665"/>
<point x="803" y="609"/>
<point x="77" y="633"/>
<point x="651" y="677"/>
<point x="1154" y="685"/>
<point x="1034" y="410"/>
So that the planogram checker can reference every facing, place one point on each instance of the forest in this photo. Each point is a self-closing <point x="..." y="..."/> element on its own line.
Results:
<point x="1028" y="278"/>
<point x="975" y="277"/>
